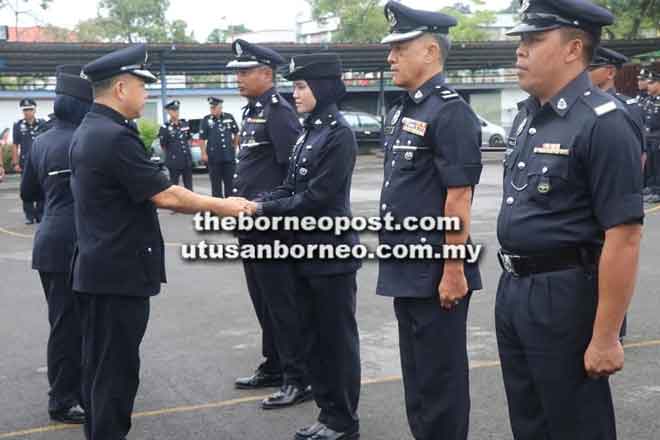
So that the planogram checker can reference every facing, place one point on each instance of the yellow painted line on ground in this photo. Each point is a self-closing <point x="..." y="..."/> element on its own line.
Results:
<point x="254" y="399"/>
<point x="15" y="234"/>
<point x="652" y="210"/>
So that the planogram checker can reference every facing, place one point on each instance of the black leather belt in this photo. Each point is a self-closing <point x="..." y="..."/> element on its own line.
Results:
<point x="561" y="259"/>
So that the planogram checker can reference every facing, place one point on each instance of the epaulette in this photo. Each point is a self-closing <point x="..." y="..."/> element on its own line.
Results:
<point x="274" y="99"/>
<point x="600" y="103"/>
<point x="446" y="93"/>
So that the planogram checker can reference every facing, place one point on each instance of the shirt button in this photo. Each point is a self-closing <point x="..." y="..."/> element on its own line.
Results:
<point x="238" y="160"/>
<point x="532" y="131"/>
<point x="387" y="184"/>
<point x="304" y="159"/>
<point x="235" y="190"/>
<point x="384" y="206"/>
<point x="235" y="176"/>
<point x="510" y="200"/>
<point x="521" y="165"/>
<point x="544" y="170"/>
<point x="423" y="239"/>
<point x="393" y="162"/>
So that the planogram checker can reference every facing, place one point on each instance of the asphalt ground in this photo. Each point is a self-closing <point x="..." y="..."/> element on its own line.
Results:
<point x="203" y="333"/>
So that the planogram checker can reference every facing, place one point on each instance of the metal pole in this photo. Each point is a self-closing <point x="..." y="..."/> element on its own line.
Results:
<point x="163" y="86"/>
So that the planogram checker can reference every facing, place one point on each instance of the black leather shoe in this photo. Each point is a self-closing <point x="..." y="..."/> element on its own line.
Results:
<point x="309" y="431"/>
<point x="259" y="380"/>
<point x="330" y="434"/>
<point x="288" y="395"/>
<point x="74" y="415"/>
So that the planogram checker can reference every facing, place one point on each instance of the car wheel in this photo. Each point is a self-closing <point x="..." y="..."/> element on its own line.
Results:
<point x="496" y="140"/>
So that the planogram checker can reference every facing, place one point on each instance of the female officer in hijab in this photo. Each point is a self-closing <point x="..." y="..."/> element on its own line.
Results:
<point x="318" y="184"/>
<point x="46" y="177"/>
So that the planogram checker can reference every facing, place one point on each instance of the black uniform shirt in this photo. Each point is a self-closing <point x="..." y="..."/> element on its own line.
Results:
<point x="432" y="143"/>
<point x="572" y="171"/>
<point x="46" y="177"/>
<point x="24" y="134"/>
<point x="270" y="130"/>
<point x="218" y="133"/>
<point x="175" y="141"/>
<point x="120" y="246"/>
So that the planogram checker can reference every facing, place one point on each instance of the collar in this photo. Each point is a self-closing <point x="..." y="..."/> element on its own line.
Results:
<point x="320" y="118"/>
<point x="34" y="122"/>
<point x="111" y="114"/>
<point x="427" y="89"/>
<point x="562" y="102"/>
<point x="262" y="100"/>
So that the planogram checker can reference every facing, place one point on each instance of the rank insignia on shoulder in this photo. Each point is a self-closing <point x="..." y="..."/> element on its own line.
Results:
<point x="605" y="108"/>
<point x="274" y="99"/>
<point x="258" y="104"/>
<point x="554" y="149"/>
<point x="415" y="127"/>
<point x="632" y="101"/>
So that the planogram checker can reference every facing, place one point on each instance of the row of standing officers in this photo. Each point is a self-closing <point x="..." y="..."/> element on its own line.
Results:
<point x="569" y="230"/>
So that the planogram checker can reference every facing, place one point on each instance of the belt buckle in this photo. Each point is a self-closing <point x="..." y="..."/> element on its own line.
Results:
<point x="506" y="261"/>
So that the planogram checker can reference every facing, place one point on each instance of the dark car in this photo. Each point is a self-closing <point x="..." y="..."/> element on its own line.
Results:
<point x="365" y="125"/>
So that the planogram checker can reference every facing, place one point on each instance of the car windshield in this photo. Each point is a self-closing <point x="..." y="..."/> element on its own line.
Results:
<point x="369" y="122"/>
<point x="352" y="120"/>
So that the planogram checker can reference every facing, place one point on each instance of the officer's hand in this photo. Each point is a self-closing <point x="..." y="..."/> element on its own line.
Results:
<point x="232" y="207"/>
<point x="17" y="168"/>
<point x="205" y="158"/>
<point x="453" y="285"/>
<point x="603" y="359"/>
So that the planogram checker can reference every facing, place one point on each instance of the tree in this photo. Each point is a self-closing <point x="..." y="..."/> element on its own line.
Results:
<point x="17" y="4"/>
<point x="361" y="21"/>
<point x="634" y="18"/>
<point x="218" y="35"/>
<point x="470" y="25"/>
<point x="133" y="21"/>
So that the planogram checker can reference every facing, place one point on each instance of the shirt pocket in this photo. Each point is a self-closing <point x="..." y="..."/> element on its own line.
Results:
<point x="150" y="260"/>
<point x="548" y="179"/>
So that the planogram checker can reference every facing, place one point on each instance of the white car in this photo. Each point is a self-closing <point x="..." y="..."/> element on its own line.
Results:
<point x="492" y="136"/>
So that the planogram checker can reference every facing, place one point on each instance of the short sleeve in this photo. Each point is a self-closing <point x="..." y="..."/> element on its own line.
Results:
<point x="141" y="178"/>
<point x="615" y="171"/>
<point x="16" y="135"/>
<point x="283" y="129"/>
<point x="234" y="125"/>
<point x="162" y="135"/>
<point x="456" y="141"/>
<point x="204" y="129"/>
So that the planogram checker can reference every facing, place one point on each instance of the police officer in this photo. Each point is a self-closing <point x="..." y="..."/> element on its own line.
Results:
<point x="569" y="227"/>
<point x="220" y="133"/>
<point x="24" y="132"/>
<point x="46" y="176"/>
<point x="175" y="139"/>
<point x="318" y="184"/>
<point x="119" y="259"/>
<point x="432" y="164"/>
<point x="270" y="129"/>
<point x="652" y="125"/>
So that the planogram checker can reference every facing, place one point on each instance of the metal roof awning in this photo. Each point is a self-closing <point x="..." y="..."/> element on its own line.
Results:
<point x="18" y="59"/>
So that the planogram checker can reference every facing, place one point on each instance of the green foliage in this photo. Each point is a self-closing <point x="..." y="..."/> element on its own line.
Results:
<point x="131" y="21"/>
<point x="6" y="158"/>
<point x="43" y="4"/>
<point x="218" y="35"/>
<point x="362" y="21"/>
<point x="148" y="133"/>
<point x="634" y="18"/>
<point x="469" y="26"/>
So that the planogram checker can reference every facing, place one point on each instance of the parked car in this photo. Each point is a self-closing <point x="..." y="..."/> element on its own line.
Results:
<point x="492" y="136"/>
<point x="366" y="127"/>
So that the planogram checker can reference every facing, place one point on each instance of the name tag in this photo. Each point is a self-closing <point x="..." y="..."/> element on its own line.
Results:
<point x="256" y="120"/>
<point x="415" y="127"/>
<point x="554" y="149"/>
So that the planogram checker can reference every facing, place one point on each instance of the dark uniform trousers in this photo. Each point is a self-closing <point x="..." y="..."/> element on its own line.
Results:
<point x="113" y="328"/>
<point x="186" y="174"/>
<point x="328" y="305"/>
<point x="432" y="343"/>
<point x="221" y="175"/>
<point x="272" y="291"/>
<point x="33" y="210"/>
<point x="64" y="342"/>
<point x="544" y="323"/>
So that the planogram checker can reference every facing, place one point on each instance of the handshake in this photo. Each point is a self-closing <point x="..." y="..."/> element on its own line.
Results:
<point x="235" y="206"/>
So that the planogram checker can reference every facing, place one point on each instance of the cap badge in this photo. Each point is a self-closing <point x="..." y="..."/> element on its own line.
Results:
<point x="239" y="49"/>
<point x="292" y="65"/>
<point x="391" y="17"/>
<point x="524" y="6"/>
